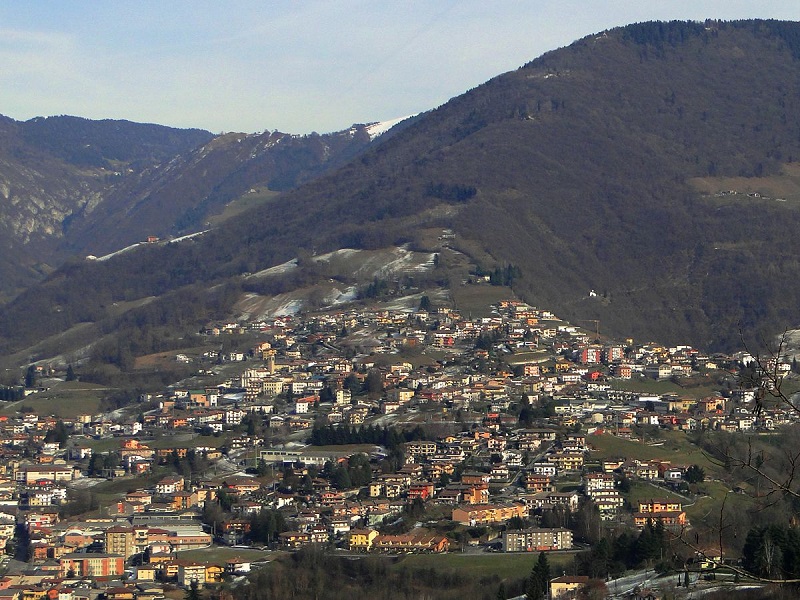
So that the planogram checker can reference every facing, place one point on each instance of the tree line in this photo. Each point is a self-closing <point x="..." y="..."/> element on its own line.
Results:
<point x="11" y="394"/>
<point x="339" y="435"/>
<point x="613" y="555"/>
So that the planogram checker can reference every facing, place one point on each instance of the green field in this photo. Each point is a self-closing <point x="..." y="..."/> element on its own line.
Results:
<point x="676" y="448"/>
<point x="651" y="386"/>
<point x="475" y="300"/>
<point x="111" y="490"/>
<point x="790" y="385"/>
<point x="707" y="508"/>
<point x="413" y="356"/>
<point x="189" y="441"/>
<point x="242" y="204"/>
<point x="65" y="399"/>
<point x="643" y="491"/>
<point x="105" y="444"/>
<point x="505" y="566"/>
<point x="566" y="485"/>
<point x="342" y="450"/>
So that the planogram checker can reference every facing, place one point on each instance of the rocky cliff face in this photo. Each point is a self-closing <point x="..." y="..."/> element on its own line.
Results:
<point x="34" y="205"/>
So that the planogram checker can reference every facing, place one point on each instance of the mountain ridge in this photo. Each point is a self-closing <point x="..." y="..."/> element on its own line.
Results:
<point x="72" y="186"/>
<point x="575" y="168"/>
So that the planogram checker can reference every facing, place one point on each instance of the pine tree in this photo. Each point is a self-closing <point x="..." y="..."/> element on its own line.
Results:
<point x="695" y="474"/>
<point x="193" y="593"/>
<point x="501" y="592"/>
<point x="61" y="435"/>
<point x="539" y="579"/>
<point x="30" y="377"/>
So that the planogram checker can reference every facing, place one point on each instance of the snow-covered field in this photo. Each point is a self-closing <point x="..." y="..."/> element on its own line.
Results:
<point x="346" y="263"/>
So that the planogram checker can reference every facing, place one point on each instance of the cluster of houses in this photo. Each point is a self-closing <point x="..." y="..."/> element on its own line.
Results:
<point x="483" y="462"/>
<point x="306" y="360"/>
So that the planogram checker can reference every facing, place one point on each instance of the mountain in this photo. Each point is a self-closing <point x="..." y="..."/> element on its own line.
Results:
<point x="179" y="197"/>
<point x="53" y="168"/>
<point x="71" y="186"/>
<point x="645" y="177"/>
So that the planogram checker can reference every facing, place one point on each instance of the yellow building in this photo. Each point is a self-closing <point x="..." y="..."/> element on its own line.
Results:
<point x="361" y="539"/>
<point x="561" y="586"/>
<point x="567" y="461"/>
<point x="660" y="505"/>
<point x="145" y="573"/>
<point x="681" y="405"/>
<point x="214" y="573"/>
<point x="482" y="514"/>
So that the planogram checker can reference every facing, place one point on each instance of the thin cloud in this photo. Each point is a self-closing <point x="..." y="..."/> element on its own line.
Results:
<point x="297" y="67"/>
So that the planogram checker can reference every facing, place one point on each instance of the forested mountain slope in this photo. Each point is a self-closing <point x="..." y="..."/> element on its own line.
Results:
<point x="593" y="167"/>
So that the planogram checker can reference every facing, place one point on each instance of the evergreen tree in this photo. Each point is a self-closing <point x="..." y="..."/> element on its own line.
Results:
<point x="525" y="412"/>
<point x="352" y="383"/>
<point x="95" y="464"/>
<point x="193" y="593"/>
<point x="225" y="500"/>
<point x="58" y="434"/>
<point x="71" y="374"/>
<point x="341" y="478"/>
<point x="326" y="394"/>
<point x="539" y="580"/>
<point x="695" y="474"/>
<point x="30" y="377"/>
<point x="374" y="382"/>
<point x="501" y="592"/>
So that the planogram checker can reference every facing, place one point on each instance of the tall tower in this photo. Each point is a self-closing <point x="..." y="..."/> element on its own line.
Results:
<point x="270" y="356"/>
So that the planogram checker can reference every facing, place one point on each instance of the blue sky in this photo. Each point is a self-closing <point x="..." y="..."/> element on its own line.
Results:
<point x="295" y="66"/>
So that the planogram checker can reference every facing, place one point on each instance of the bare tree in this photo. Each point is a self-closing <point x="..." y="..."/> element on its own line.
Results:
<point x="768" y="472"/>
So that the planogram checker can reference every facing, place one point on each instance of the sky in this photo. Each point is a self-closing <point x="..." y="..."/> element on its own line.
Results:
<point x="293" y="66"/>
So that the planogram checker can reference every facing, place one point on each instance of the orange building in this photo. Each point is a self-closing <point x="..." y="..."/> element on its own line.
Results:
<point x="420" y="541"/>
<point x="91" y="565"/>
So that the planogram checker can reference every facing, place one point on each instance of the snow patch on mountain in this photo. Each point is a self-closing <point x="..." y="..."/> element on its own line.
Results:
<point x="337" y="296"/>
<point x="276" y="270"/>
<point x="377" y="129"/>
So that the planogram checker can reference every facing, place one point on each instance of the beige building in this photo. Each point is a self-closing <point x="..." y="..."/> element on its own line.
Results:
<point x="191" y="571"/>
<point x="536" y="539"/>
<point x="29" y="474"/>
<point x="120" y="540"/>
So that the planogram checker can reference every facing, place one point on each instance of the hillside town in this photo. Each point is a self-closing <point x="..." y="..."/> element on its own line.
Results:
<point x="361" y="432"/>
